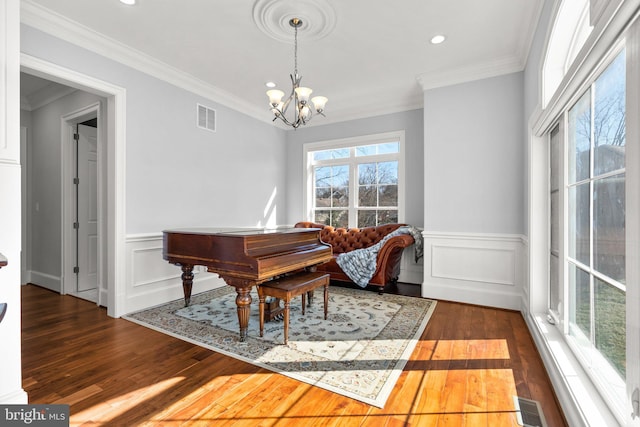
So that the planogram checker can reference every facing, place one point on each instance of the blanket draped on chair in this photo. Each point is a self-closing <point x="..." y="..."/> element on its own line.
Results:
<point x="360" y="264"/>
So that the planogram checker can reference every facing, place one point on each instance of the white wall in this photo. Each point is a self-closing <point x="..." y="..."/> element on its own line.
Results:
<point x="176" y="174"/>
<point x="475" y="249"/>
<point x="474" y="157"/>
<point x="10" y="364"/>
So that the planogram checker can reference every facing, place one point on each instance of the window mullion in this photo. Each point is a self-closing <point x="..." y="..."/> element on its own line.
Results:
<point x="354" y="186"/>
<point x="591" y="216"/>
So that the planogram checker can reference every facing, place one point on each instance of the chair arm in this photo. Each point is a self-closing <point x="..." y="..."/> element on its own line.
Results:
<point x="400" y="241"/>
<point x="388" y="260"/>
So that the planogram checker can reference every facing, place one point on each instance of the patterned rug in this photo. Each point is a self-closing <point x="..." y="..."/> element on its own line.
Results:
<point x="359" y="351"/>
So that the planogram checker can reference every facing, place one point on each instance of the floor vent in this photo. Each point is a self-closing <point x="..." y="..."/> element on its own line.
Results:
<point x="529" y="412"/>
<point x="206" y="118"/>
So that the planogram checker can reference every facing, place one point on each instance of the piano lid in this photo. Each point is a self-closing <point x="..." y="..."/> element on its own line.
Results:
<point x="231" y="231"/>
<point x="255" y="254"/>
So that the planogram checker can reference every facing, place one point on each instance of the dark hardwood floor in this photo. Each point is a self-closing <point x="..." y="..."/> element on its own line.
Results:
<point x="464" y="371"/>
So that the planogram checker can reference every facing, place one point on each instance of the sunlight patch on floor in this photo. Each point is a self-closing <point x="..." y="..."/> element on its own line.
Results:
<point x="471" y="349"/>
<point x="123" y="403"/>
<point x="479" y="397"/>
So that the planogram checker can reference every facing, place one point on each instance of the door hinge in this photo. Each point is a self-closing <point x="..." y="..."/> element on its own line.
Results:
<point x="76" y="181"/>
<point x="76" y="225"/>
<point x="76" y="136"/>
<point x="635" y="403"/>
<point x="76" y="270"/>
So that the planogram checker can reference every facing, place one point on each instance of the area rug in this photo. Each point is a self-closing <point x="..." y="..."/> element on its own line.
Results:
<point x="359" y="351"/>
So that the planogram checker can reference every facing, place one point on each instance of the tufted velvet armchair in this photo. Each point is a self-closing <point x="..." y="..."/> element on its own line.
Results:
<point x="349" y="239"/>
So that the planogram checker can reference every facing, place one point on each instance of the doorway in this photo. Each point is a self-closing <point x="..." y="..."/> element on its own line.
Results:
<point x="111" y="179"/>
<point x="61" y="156"/>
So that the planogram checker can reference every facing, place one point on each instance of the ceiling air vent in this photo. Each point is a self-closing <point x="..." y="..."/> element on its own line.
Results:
<point x="206" y="118"/>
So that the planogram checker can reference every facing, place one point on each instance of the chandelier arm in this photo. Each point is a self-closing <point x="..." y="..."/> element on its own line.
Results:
<point x="295" y="82"/>
<point x="303" y="109"/>
<point x="308" y="118"/>
<point x="284" y="119"/>
<point x="292" y="97"/>
<point x="295" y="124"/>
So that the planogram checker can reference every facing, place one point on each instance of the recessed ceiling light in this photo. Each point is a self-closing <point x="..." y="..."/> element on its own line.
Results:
<point x="270" y="84"/>
<point x="438" y="39"/>
<point x="128" y="2"/>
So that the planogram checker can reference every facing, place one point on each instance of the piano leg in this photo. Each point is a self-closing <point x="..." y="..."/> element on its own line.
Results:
<point x="243" y="302"/>
<point x="187" y="282"/>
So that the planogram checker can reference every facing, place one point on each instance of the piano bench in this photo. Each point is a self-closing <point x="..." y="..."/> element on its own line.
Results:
<point x="290" y="287"/>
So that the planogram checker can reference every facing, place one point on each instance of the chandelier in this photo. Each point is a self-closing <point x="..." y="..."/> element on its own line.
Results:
<point x="299" y="98"/>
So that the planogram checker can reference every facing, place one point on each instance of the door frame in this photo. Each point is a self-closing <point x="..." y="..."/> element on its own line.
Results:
<point x="25" y="160"/>
<point x="112" y="295"/>
<point x="69" y="202"/>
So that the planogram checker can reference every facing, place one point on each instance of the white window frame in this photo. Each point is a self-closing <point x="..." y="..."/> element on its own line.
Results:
<point x="582" y="403"/>
<point x="595" y="365"/>
<point x="379" y="138"/>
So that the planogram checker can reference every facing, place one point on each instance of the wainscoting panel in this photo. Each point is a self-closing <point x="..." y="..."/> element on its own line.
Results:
<point x="151" y="280"/>
<point x="145" y="268"/>
<point x="484" y="269"/>
<point x="487" y="265"/>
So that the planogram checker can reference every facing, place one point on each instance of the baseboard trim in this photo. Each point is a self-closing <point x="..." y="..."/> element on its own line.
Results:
<point x="17" y="397"/>
<point x="45" y="280"/>
<point x="472" y="295"/>
<point x="161" y="295"/>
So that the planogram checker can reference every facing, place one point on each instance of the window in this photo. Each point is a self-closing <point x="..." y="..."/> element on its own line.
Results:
<point x="572" y="30"/>
<point x="593" y="294"/>
<point x="355" y="182"/>
<point x="594" y="214"/>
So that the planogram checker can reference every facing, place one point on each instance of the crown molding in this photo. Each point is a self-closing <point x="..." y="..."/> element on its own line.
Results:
<point x="511" y="64"/>
<point x="433" y="80"/>
<point x="59" y="26"/>
<point x="24" y="103"/>
<point x="45" y="96"/>
<point x="56" y="25"/>
<point x="524" y="47"/>
<point x="338" y="116"/>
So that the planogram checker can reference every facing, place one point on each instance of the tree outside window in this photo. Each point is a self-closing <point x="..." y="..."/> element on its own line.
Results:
<point x="356" y="186"/>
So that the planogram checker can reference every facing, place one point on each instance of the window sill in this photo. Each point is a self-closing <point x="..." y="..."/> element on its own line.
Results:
<point x="580" y="400"/>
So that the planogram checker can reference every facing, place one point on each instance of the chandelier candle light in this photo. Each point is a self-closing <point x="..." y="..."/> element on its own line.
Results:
<point x="299" y="94"/>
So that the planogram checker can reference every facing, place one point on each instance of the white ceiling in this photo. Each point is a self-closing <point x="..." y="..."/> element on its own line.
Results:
<point x="368" y="57"/>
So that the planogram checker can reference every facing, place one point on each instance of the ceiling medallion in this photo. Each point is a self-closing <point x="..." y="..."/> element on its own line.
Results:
<point x="272" y="17"/>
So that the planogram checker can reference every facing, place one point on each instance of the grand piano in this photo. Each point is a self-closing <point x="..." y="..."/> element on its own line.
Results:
<point x="243" y="258"/>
